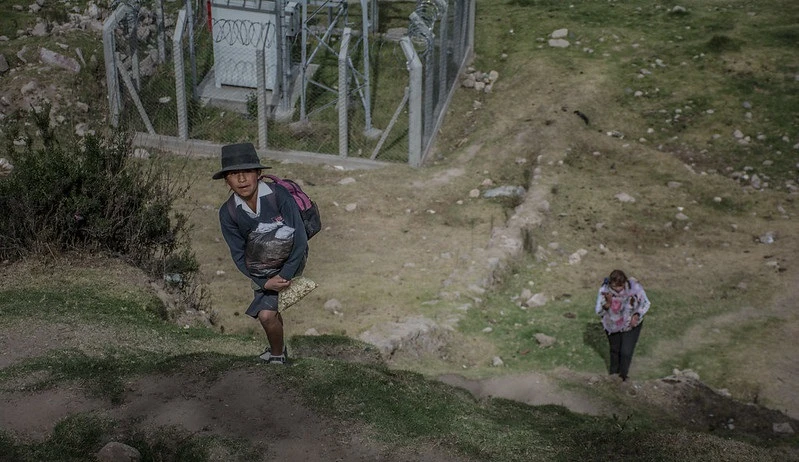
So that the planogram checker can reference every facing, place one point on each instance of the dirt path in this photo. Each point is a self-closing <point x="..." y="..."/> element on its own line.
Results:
<point x="533" y="388"/>
<point x="239" y="405"/>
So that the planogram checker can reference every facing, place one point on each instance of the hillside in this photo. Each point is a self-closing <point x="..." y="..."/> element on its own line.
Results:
<point x="659" y="184"/>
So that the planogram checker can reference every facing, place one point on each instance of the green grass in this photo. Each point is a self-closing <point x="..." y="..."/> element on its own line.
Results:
<point x="78" y="437"/>
<point x="714" y="58"/>
<point x="399" y="408"/>
<point x="716" y="40"/>
<point x="85" y="303"/>
<point x="580" y="341"/>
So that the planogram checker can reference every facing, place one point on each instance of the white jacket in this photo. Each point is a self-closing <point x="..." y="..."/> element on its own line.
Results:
<point x="624" y="304"/>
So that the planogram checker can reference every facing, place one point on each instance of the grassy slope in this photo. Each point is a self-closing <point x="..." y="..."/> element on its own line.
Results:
<point x="699" y="69"/>
<point x="496" y="429"/>
<point x="116" y="337"/>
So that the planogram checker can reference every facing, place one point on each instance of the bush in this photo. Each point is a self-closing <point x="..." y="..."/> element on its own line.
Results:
<point x="89" y="196"/>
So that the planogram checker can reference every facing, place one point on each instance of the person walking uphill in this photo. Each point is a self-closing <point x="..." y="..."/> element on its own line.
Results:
<point x="262" y="226"/>
<point x="622" y="304"/>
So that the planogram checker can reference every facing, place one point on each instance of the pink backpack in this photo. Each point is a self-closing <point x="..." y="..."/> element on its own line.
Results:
<point x="308" y="209"/>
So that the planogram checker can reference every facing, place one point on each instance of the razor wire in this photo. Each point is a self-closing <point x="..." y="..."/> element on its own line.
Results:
<point x="242" y="32"/>
<point x="227" y="52"/>
<point x="422" y="24"/>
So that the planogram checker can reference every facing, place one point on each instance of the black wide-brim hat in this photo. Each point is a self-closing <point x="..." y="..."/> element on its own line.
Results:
<point x="241" y="156"/>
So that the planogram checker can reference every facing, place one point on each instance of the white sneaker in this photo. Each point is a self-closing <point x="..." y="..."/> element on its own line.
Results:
<point x="275" y="359"/>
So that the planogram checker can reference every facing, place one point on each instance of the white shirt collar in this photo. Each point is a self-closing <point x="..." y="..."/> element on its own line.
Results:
<point x="263" y="190"/>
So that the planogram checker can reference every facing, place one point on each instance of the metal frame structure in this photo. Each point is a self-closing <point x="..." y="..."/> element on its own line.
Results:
<point x="337" y="10"/>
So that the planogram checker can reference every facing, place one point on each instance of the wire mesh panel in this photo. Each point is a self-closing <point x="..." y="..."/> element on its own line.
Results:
<point x="233" y="65"/>
<point x="134" y="41"/>
<point x="439" y="30"/>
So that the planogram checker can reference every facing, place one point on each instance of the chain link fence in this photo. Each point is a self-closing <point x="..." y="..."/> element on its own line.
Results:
<point x="320" y="76"/>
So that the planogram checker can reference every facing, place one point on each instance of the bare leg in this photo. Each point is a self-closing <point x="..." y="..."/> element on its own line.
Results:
<point x="272" y="322"/>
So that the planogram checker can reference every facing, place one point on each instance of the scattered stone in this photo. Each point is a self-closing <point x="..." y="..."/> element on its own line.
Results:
<point x="164" y="99"/>
<point x="558" y="43"/>
<point x="3" y="64"/>
<point x="560" y="33"/>
<point x="416" y="335"/>
<point x="505" y="191"/>
<point x="687" y="373"/>
<point x="576" y="257"/>
<point x="488" y="330"/>
<point x="624" y="197"/>
<point x="526" y="294"/>
<point x="544" y="341"/>
<point x="141" y="153"/>
<point x="82" y="129"/>
<point x="312" y="332"/>
<point x="29" y="87"/>
<point x="56" y="59"/>
<point x="497" y="362"/>
<point x="93" y="11"/>
<point x="5" y="167"/>
<point x="118" y="452"/>
<point x="755" y="181"/>
<point x="673" y="184"/>
<point x="543" y="206"/>
<point x="476" y="289"/>
<point x="767" y="238"/>
<point x="783" y="428"/>
<point x="348" y="180"/>
<point x="39" y="30"/>
<point x="332" y="306"/>
<point x="536" y="300"/>
<point x="351" y="207"/>
<point x="474" y="193"/>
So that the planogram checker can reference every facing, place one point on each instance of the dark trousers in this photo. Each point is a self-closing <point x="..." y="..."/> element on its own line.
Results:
<point x="622" y="345"/>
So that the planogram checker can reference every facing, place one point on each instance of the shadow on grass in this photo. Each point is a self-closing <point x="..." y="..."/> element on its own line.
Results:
<point x="595" y="337"/>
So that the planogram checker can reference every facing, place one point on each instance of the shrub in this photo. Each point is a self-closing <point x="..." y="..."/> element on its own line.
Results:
<point x="89" y="196"/>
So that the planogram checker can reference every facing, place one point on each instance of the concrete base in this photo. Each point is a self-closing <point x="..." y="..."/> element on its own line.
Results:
<point x="235" y="98"/>
<point x="373" y="133"/>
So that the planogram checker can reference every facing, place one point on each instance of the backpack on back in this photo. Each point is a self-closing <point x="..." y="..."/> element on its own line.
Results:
<point x="308" y="208"/>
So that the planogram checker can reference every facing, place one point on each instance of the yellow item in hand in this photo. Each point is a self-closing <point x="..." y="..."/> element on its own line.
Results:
<point x="299" y="288"/>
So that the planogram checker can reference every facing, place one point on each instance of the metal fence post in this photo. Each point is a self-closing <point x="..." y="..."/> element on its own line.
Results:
<point x="109" y="53"/>
<point x="180" y="76"/>
<point x="367" y="91"/>
<point x="443" y="38"/>
<point x="159" y="5"/>
<point x="260" y="69"/>
<point x="192" y="57"/>
<point x="343" y="92"/>
<point x="414" y="102"/>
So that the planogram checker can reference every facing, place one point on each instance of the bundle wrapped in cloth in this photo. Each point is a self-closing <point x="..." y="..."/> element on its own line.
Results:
<point x="299" y="288"/>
